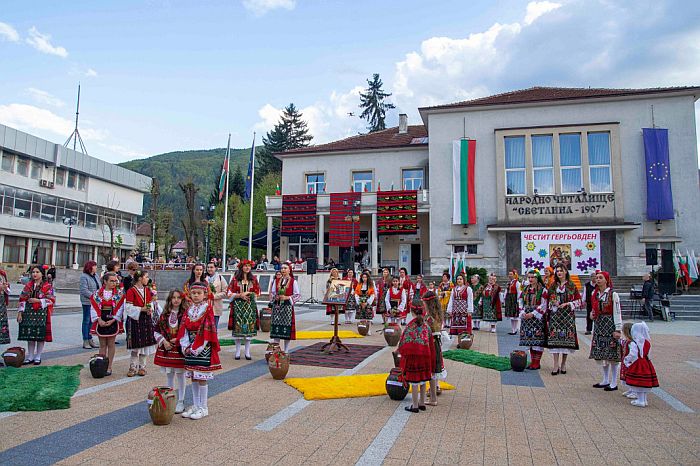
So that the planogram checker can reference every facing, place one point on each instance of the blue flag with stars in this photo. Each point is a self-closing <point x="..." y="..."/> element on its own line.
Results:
<point x="249" y="178"/>
<point x="658" y="169"/>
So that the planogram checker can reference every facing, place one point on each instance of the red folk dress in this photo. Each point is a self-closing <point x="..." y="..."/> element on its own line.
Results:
<point x="107" y="305"/>
<point x="36" y="317"/>
<point x="640" y="372"/>
<point x="199" y="341"/>
<point x="167" y="328"/>
<point x="417" y="351"/>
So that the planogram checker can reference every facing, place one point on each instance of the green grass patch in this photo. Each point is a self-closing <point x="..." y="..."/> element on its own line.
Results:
<point x="489" y="361"/>
<point x="231" y="342"/>
<point x="38" y="388"/>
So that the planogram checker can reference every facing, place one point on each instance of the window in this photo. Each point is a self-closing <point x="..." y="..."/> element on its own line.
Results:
<point x="315" y="183"/>
<point x="72" y="180"/>
<point x="85" y="253"/>
<point x="470" y="249"/>
<point x="302" y="246"/>
<point x="362" y="182"/>
<point x="60" y="177"/>
<point x="91" y="217"/>
<point x="570" y="161"/>
<point x="15" y="250"/>
<point x="82" y="182"/>
<point x="542" y="164"/>
<point x="8" y="162"/>
<point x="23" y="204"/>
<point x="9" y="205"/>
<point x="412" y="178"/>
<point x="36" y="170"/>
<point x="599" y="162"/>
<point x="62" y="253"/>
<point x="41" y="251"/>
<point x="22" y="166"/>
<point x="48" y="208"/>
<point x="515" y="164"/>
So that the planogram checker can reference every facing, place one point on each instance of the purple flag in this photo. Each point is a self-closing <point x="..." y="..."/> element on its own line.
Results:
<point x="658" y="169"/>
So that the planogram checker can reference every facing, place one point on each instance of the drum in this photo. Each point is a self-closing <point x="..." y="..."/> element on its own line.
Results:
<point x="396" y="387"/>
<point x="278" y="364"/>
<point x="98" y="366"/>
<point x="265" y="319"/>
<point x="392" y="333"/>
<point x="518" y="360"/>
<point x="13" y="357"/>
<point x="161" y="405"/>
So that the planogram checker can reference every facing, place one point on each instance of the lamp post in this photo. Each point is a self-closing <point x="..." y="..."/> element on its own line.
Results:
<point x="69" y="222"/>
<point x="209" y="214"/>
<point x="352" y="218"/>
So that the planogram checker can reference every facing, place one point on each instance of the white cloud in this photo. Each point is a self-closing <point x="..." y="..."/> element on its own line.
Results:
<point x="90" y="73"/>
<point x="537" y="9"/>
<point x="42" y="42"/>
<point x="30" y="118"/>
<point x="44" y="97"/>
<point x="260" y="7"/>
<point x="9" y="33"/>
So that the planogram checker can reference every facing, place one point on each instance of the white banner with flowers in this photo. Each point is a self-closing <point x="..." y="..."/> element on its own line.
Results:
<point x="579" y="251"/>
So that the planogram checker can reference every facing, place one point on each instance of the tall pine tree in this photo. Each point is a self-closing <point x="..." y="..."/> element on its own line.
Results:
<point x="373" y="105"/>
<point x="291" y="132"/>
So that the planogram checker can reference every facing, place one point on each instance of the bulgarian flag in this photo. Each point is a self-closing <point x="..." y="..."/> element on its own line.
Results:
<point x="222" y="179"/>
<point x="463" y="169"/>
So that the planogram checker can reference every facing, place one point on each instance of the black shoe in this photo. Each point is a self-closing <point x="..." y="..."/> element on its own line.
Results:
<point x="411" y="410"/>
<point x="237" y="358"/>
<point x="555" y="372"/>
<point x="600" y="385"/>
<point x="422" y="408"/>
<point x="512" y="333"/>
<point x="587" y="332"/>
<point x="610" y="389"/>
<point x="117" y="343"/>
<point x="37" y="362"/>
<point x="562" y="371"/>
<point x="249" y="358"/>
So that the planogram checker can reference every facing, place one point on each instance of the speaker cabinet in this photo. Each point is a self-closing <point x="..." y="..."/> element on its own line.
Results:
<point x="652" y="256"/>
<point x="311" y="266"/>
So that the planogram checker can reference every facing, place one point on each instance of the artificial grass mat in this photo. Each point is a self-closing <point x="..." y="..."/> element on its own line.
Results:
<point x="39" y="388"/>
<point x="489" y="361"/>
<point x="232" y="342"/>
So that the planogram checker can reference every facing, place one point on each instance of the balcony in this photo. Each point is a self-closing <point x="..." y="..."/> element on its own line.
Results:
<point x="273" y="204"/>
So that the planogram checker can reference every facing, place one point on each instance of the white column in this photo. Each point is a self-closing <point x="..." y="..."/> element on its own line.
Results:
<point x="319" y="246"/>
<point x="28" y="251"/>
<point x="2" y="246"/>
<point x="374" y="255"/>
<point x="94" y="253"/>
<point x="53" y="252"/>
<point x="269" y="238"/>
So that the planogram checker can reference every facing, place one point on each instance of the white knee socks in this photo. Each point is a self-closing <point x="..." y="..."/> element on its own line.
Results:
<point x="203" y="396"/>
<point x="195" y="394"/>
<point x="614" y="371"/>
<point x="514" y="325"/>
<point x="134" y="359"/>
<point x="142" y="361"/>
<point x="170" y="376"/>
<point x="606" y="374"/>
<point x="286" y="345"/>
<point x="642" y="397"/>
<point x="238" y="347"/>
<point x="181" y="387"/>
<point x="31" y="346"/>
<point x="247" y="347"/>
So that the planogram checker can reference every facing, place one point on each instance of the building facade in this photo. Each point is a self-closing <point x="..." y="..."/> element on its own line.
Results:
<point x="547" y="160"/>
<point x="48" y="191"/>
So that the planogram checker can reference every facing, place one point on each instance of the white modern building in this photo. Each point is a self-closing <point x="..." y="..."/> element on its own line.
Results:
<point x="547" y="159"/>
<point x="48" y="191"/>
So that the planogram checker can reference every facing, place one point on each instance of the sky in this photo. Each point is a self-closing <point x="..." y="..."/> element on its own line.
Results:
<point x="165" y="75"/>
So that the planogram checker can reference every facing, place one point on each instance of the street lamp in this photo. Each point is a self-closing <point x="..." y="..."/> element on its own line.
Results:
<point x="69" y="222"/>
<point x="210" y="215"/>
<point x="352" y="218"/>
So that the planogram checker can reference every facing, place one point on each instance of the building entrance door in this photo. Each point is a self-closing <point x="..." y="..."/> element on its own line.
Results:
<point x="405" y="256"/>
<point x="416" y="266"/>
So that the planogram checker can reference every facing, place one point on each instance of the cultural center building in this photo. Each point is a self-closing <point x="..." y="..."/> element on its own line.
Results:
<point x="529" y="178"/>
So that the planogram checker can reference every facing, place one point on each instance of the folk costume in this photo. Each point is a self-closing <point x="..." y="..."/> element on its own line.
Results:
<point x="243" y="317"/>
<point x="406" y="284"/>
<point x="382" y="287"/>
<point x="439" y="371"/>
<point x="460" y="309"/>
<point x="139" y="331"/>
<point x="417" y="351"/>
<point x="283" y="326"/>
<point x="35" y="327"/>
<point x="351" y="304"/>
<point x="490" y="304"/>
<point x="4" y="301"/>
<point x="444" y="292"/>
<point x="478" y="312"/>
<point x="513" y="302"/>
<point x="107" y="305"/>
<point x="171" y="361"/>
<point x="605" y="348"/>
<point x="561" y="321"/>
<point x="364" y="294"/>
<point x="532" y="331"/>
<point x="640" y="374"/>
<point x="417" y="293"/>
<point x="395" y="302"/>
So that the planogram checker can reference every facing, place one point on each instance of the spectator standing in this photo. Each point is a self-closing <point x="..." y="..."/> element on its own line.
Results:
<point x="219" y="289"/>
<point x="588" y="290"/>
<point x="648" y="295"/>
<point x="89" y="284"/>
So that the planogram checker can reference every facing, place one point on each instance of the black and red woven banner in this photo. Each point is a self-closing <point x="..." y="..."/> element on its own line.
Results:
<point x="397" y="212"/>
<point x="340" y="230"/>
<point x="298" y="214"/>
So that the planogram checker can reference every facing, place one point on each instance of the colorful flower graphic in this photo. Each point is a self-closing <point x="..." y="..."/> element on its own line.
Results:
<point x="543" y="253"/>
<point x="539" y="264"/>
<point x="582" y="266"/>
<point x="529" y="262"/>
<point x="578" y="253"/>
<point x="590" y="246"/>
<point x="530" y="246"/>
<point x="592" y="263"/>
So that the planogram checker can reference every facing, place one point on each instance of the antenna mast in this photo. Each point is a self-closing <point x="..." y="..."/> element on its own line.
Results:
<point x="75" y="135"/>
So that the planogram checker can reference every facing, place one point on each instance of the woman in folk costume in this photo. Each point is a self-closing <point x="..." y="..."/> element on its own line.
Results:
<point x="106" y="313"/>
<point x="218" y="288"/>
<point x="417" y="351"/>
<point x="197" y="275"/>
<point x="364" y="294"/>
<point x="419" y="289"/>
<point x="548" y="277"/>
<point x="406" y="284"/>
<point x="477" y="290"/>
<point x="562" y="299"/>
<point x="139" y="334"/>
<point x="168" y="355"/>
<point x="200" y="346"/>
<point x="460" y="308"/>
<point x="513" y="301"/>
<point x="4" y="301"/>
<point x="284" y="294"/>
<point x="607" y="324"/>
<point x="532" y="328"/>
<point x="490" y="302"/>
<point x="243" y="290"/>
<point x="350" y="305"/>
<point x="382" y="286"/>
<point x="330" y="309"/>
<point x="444" y="291"/>
<point x="433" y="314"/>
<point x="395" y="300"/>
<point x="640" y="375"/>
<point x="36" y="304"/>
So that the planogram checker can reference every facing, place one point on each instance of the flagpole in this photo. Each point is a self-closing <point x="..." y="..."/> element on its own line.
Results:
<point x="228" y="170"/>
<point x="252" y="188"/>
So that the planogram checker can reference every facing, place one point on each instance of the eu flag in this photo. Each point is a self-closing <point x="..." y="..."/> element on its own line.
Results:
<point x="658" y="170"/>
<point x="249" y="178"/>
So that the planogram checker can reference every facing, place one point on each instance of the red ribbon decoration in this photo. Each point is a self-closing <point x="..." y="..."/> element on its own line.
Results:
<point x="157" y="394"/>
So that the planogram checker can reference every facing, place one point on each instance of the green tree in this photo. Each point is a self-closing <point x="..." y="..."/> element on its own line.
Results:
<point x="373" y="105"/>
<point x="237" y="183"/>
<point x="291" y="132"/>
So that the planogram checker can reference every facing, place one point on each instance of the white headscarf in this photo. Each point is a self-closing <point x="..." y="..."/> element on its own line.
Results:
<point x="640" y="334"/>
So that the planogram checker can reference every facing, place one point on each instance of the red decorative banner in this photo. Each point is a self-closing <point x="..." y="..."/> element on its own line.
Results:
<point x="397" y="212"/>
<point x="298" y="214"/>
<point x="340" y="229"/>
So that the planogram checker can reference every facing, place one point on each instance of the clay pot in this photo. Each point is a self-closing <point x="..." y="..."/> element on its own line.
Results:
<point x="271" y="347"/>
<point x="161" y="411"/>
<point x="278" y="364"/>
<point x="396" y="387"/>
<point x="397" y="358"/>
<point x="265" y="319"/>
<point x="465" y="341"/>
<point x="363" y="328"/>
<point x="13" y="357"/>
<point x="518" y="360"/>
<point x="392" y="333"/>
<point x="98" y="366"/>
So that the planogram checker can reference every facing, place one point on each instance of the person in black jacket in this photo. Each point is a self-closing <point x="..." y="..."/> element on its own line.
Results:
<point x="648" y="295"/>
<point x="588" y="290"/>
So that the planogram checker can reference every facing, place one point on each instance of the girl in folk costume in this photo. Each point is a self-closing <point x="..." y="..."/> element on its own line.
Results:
<point x="562" y="299"/>
<point x="434" y="319"/>
<point x="284" y="294"/>
<point x="218" y="288"/>
<point x="395" y="300"/>
<point x="351" y="305"/>
<point x="607" y="324"/>
<point x="532" y="329"/>
<point x="139" y="331"/>
<point x="513" y="301"/>
<point x="444" y="291"/>
<point x="200" y="346"/>
<point x="106" y="313"/>
<point x="382" y="286"/>
<point x="4" y="301"/>
<point x="477" y="290"/>
<point x="625" y="348"/>
<point x="419" y="289"/>
<point x="640" y="375"/>
<point x="490" y="302"/>
<point x="36" y="304"/>
<point x="548" y="277"/>
<point x="197" y="275"/>
<point x="168" y="356"/>
<point x="243" y="289"/>
<point x="417" y="351"/>
<point x="460" y="308"/>
<point x="364" y="295"/>
<point x="406" y="284"/>
<point x="330" y="309"/>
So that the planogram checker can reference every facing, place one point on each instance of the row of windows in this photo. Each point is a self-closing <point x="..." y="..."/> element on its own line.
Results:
<point x="26" y="204"/>
<point x="570" y="157"/>
<point x="15" y="249"/>
<point x="24" y="167"/>
<point x="363" y="181"/>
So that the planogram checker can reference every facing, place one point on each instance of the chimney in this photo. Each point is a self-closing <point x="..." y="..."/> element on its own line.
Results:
<point x="403" y="123"/>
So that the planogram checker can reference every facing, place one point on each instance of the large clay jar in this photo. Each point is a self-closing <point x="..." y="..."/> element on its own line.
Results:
<point x="278" y="364"/>
<point x="363" y="327"/>
<point x="392" y="333"/>
<point x="161" y="405"/>
<point x="465" y="341"/>
<point x="271" y="347"/>
<point x="98" y="366"/>
<point x="518" y="360"/>
<point x="265" y="319"/>
<point x="13" y="357"/>
<point x="396" y="387"/>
